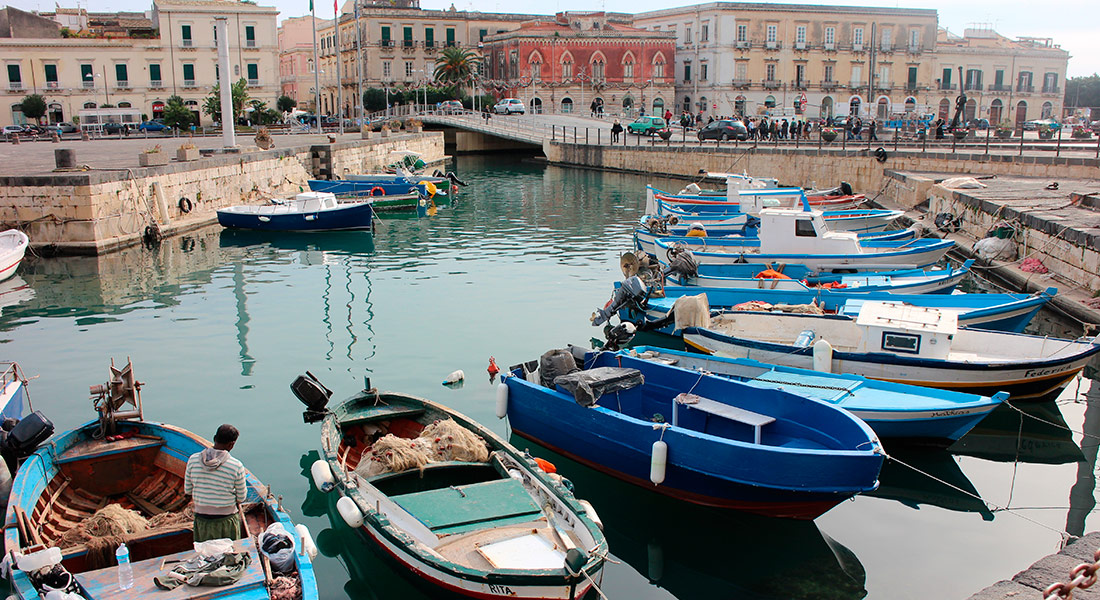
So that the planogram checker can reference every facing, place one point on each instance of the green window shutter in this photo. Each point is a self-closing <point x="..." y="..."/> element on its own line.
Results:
<point x="14" y="76"/>
<point x="120" y="73"/>
<point x="189" y="72"/>
<point x="946" y="78"/>
<point x="253" y="71"/>
<point x="408" y="36"/>
<point x="386" y="37"/>
<point x="51" y="73"/>
<point x="154" y="72"/>
<point x="481" y="35"/>
<point x="185" y="32"/>
<point x="250" y="33"/>
<point x="450" y="36"/>
<point x="429" y="37"/>
<point x="86" y="73"/>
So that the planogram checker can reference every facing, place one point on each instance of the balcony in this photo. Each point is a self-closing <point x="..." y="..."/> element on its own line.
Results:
<point x="857" y="86"/>
<point x="771" y="84"/>
<point x="189" y="83"/>
<point x="1000" y="87"/>
<point x="250" y="43"/>
<point x="187" y="43"/>
<point x="800" y="45"/>
<point x="974" y="87"/>
<point x="15" y="86"/>
<point x="742" y="44"/>
<point x="857" y="47"/>
<point x="386" y="44"/>
<point x="884" y="87"/>
<point x="53" y="85"/>
<point x="408" y="44"/>
<point x="801" y="84"/>
<point x="1051" y="89"/>
<point x="947" y="87"/>
<point x="156" y="84"/>
<point x="122" y="85"/>
<point x="1030" y="89"/>
<point x="830" y="46"/>
<point x="888" y="48"/>
<point x="772" y="45"/>
<point x="742" y="83"/>
<point x="254" y="82"/>
<point x="829" y="84"/>
<point x="89" y="84"/>
<point x="913" y="49"/>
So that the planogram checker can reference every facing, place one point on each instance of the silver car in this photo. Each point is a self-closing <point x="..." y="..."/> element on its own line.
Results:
<point x="508" y="106"/>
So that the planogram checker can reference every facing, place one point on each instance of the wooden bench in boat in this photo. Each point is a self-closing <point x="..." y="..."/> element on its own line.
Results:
<point x="713" y="407"/>
<point x="101" y="448"/>
<point x="103" y="583"/>
<point x="367" y="414"/>
<point x="462" y="508"/>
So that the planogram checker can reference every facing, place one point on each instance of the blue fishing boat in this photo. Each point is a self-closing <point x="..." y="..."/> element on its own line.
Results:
<point x="995" y="312"/>
<point x="797" y="277"/>
<point x="893" y="410"/>
<point x="309" y="211"/>
<point x="697" y="437"/>
<point x="126" y="474"/>
<point x="362" y="189"/>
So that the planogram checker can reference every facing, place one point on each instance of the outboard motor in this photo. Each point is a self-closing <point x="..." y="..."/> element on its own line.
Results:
<point x="454" y="179"/>
<point x="845" y="188"/>
<point x="632" y="292"/>
<point x="619" y="336"/>
<point x="681" y="262"/>
<point x="24" y="437"/>
<point x="313" y="394"/>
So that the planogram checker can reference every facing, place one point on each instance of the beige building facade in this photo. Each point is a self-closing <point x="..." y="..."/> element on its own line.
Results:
<point x="1007" y="82"/>
<point x="755" y="59"/>
<point x="141" y="71"/>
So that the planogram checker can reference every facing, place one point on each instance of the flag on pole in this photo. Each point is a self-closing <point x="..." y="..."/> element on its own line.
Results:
<point x="310" y="5"/>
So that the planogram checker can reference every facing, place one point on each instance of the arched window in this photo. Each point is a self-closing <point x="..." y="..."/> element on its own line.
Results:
<point x="1021" y="114"/>
<point x="769" y="102"/>
<point x="703" y="104"/>
<point x="970" y="110"/>
<point x="826" y="107"/>
<point x="567" y="66"/>
<point x="687" y="104"/>
<point x="739" y="105"/>
<point x="536" y="105"/>
<point x="567" y="105"/>
<point x="1047" y="110"/>
<point x="910" y="104"/>
<point x="853" y="105"/>
<point x="945" y="109"/>
<point x="658" y="65"/>
<point x="124" y="105"/>
<point x="628" y="66"/>
<point x="628" y="104"/>
<point x="535" y="61"/>
<point x="17" y="116"/>
<point x="658" y="107"/>
<point x="598" y="66"/>
<point x="996" y="112"/>
<point x="89" y="105"/>
<point x="882" y="108"/>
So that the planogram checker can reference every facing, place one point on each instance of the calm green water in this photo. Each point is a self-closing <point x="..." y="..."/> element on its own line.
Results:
<point x="219" y="323"/>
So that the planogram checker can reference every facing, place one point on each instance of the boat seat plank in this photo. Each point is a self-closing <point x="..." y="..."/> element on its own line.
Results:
<point x="100" y="448"/>
<point x="102" y="584"/>
<point x="468" y="507"/>
<point x="725" y="411"/>
<point x="368" y="414"/>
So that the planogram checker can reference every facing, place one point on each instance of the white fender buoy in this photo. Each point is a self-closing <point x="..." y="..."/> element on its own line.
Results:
<point x="823" y="356"/>
<point x="322" y="476"/>
<point x="350" y="512"/>
<point x="454" y="377"/>
<point x="658" y="461"/>
<point x="306" y="541"/>
<point x="591" y="512"/>
<point x="502" y="400"/>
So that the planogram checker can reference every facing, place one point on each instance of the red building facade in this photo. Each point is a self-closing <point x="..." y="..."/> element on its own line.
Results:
<point x="562" y="66"/>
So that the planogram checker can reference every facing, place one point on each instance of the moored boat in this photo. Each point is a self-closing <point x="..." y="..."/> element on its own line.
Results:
<point x="13" y="246"/>
<point x="449" y="500"/>
<point x="904" y="344"/>
<point x="697" y="437"/>
<point x="309" y="211"/>
<point x="893" y="410"/>
<point x="119" y="480"/>
<point x="377" y="189"/>
<point x="795" y="277"/>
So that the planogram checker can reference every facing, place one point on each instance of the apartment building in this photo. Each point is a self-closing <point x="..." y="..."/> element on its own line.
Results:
<point x="1004" y="80"/>
<point x="564" y="64"/>
<point x="296" y="58"/>
<point x="136" y="60"/>
<point x="799" y="60"/>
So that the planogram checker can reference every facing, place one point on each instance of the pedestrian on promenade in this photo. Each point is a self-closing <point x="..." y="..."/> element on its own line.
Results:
<point x="215" y="481"/>
<point x="592" y="107"/>
<point x="872" y="134"/>
<point x="616" y="129"/>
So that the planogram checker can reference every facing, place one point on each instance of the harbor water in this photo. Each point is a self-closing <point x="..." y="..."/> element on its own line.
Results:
<point x="218" y="324"/>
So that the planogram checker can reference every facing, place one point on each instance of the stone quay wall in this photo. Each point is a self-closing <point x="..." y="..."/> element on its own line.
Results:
<point x="92" y="212"/>
<point x="823" y="168"/>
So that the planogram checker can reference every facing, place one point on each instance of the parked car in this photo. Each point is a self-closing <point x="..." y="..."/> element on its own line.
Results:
<point x="65" y="127"/>
<point x="153" y="125"/>
<point x="509" y="106"/>
<point x="11" y="131"/>
<point x="646" y="125"/>
<point x="449" y="107"/>
<point x="978" y="123"/>
<point x="1035" y="124"/>
<point x="724" y="129"/>
<point x="112" y="128"/>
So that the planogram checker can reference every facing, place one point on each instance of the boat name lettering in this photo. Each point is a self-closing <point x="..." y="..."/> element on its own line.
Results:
<point x="1050" y="371"/>
<point x="501" y="589"/>
<point x="948" y="413"/>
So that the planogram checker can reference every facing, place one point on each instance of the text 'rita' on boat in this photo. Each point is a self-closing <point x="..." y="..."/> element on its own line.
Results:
<point x="101" y="512"/>
<point x="450" y="501"/>
<point x="905" y="344"/>
<point x="705" y="439"/>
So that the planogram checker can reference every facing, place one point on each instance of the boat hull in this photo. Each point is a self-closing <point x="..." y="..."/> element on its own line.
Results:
<point x="12" y="252"/>
<point x="1022" y="380"/>
<point x="344" y="217"/>
<point x="942" y="282"/>
<point x="880" y="256"/>
<point x="359" y="189"/>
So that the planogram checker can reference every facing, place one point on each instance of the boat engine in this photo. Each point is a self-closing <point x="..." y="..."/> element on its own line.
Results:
<point x="19" y="439"/>
<point x="681" y="262"/>
<point x="633" y="292"/>
<point x="313" y="394"/>
<point x="618" y="336"/>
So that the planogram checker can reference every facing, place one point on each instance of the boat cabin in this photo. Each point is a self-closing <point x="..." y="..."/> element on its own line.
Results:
<point x="797" y="231"/>
<point x="908" y="330"/>
<point x="314" y="201"/>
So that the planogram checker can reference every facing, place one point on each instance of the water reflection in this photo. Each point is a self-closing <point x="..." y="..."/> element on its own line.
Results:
<point x="700" y="552"/>
<point x="928" y="476"/>
<point x="1081" y="496"/>
<point x="1031" y="432"/>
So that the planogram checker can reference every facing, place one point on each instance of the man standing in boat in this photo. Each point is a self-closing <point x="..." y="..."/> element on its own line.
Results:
<point x="216" y="482"/>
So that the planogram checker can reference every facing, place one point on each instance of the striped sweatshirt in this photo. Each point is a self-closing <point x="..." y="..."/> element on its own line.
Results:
<point x="215" y="480"/>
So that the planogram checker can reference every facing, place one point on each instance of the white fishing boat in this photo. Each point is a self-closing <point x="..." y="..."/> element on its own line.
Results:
<point x="13" y="246"/>
<point x="904" y="344"/>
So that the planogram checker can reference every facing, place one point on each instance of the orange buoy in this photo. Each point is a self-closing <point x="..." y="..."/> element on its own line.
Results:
<point x="493" y="369"/>
<point x="545" y="465"/>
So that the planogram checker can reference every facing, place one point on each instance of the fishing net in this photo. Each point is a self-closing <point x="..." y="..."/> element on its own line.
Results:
<point x="439" y="442"/>
<point x="114" y="523"/>
<point x="285" y="588"/>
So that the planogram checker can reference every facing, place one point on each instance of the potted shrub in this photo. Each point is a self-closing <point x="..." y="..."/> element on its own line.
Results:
<point x="1081" y="133"/>
<point x="828" y="134"/>
<point x="1045" y="132"/>
<point x="385" y="130"/>
<point x="153" y="157"/>
<point x="263" y="139"/>
<point x="1004" y="130"/>
<point x="365" y="131"/>
<point x="395" y="126"/>
<point x="414" y="125"/>
<point x="187" y="152"/>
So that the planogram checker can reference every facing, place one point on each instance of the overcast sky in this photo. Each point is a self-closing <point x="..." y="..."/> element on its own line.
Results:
<point x="1071" y="23"/>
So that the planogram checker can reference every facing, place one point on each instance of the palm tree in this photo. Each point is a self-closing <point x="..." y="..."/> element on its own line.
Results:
<point x="456" y="65"/>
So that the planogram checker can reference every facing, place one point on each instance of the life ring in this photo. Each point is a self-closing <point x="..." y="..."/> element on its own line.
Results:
<point x="381" y="191"/>
<point x="880" y="154"/>
<point x="185" y="205"/>
<point x="430" y="187"/>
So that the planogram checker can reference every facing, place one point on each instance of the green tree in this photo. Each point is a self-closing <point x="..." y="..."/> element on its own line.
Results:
<point x="456" y="66"/>
<point x="212" y="105"/>
<point x="262" y="115"/>
<point x="374" y="99"/>
<point x="1083" y="92"/>
<point x="34" y="107"/>
<point x="285" y="103"/>
<point x="176" y="114"/>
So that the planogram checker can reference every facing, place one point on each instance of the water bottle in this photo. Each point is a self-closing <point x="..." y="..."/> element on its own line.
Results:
<point x="125" y="571"/>
<point x="804" y="339"/>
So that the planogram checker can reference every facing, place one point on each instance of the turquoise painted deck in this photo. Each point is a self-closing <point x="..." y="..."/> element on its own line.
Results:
<point x="218" y="325"/>
<point x="464" y="508"/>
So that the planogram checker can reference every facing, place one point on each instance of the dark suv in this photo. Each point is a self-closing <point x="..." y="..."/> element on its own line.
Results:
<point x="724" y="129"/>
